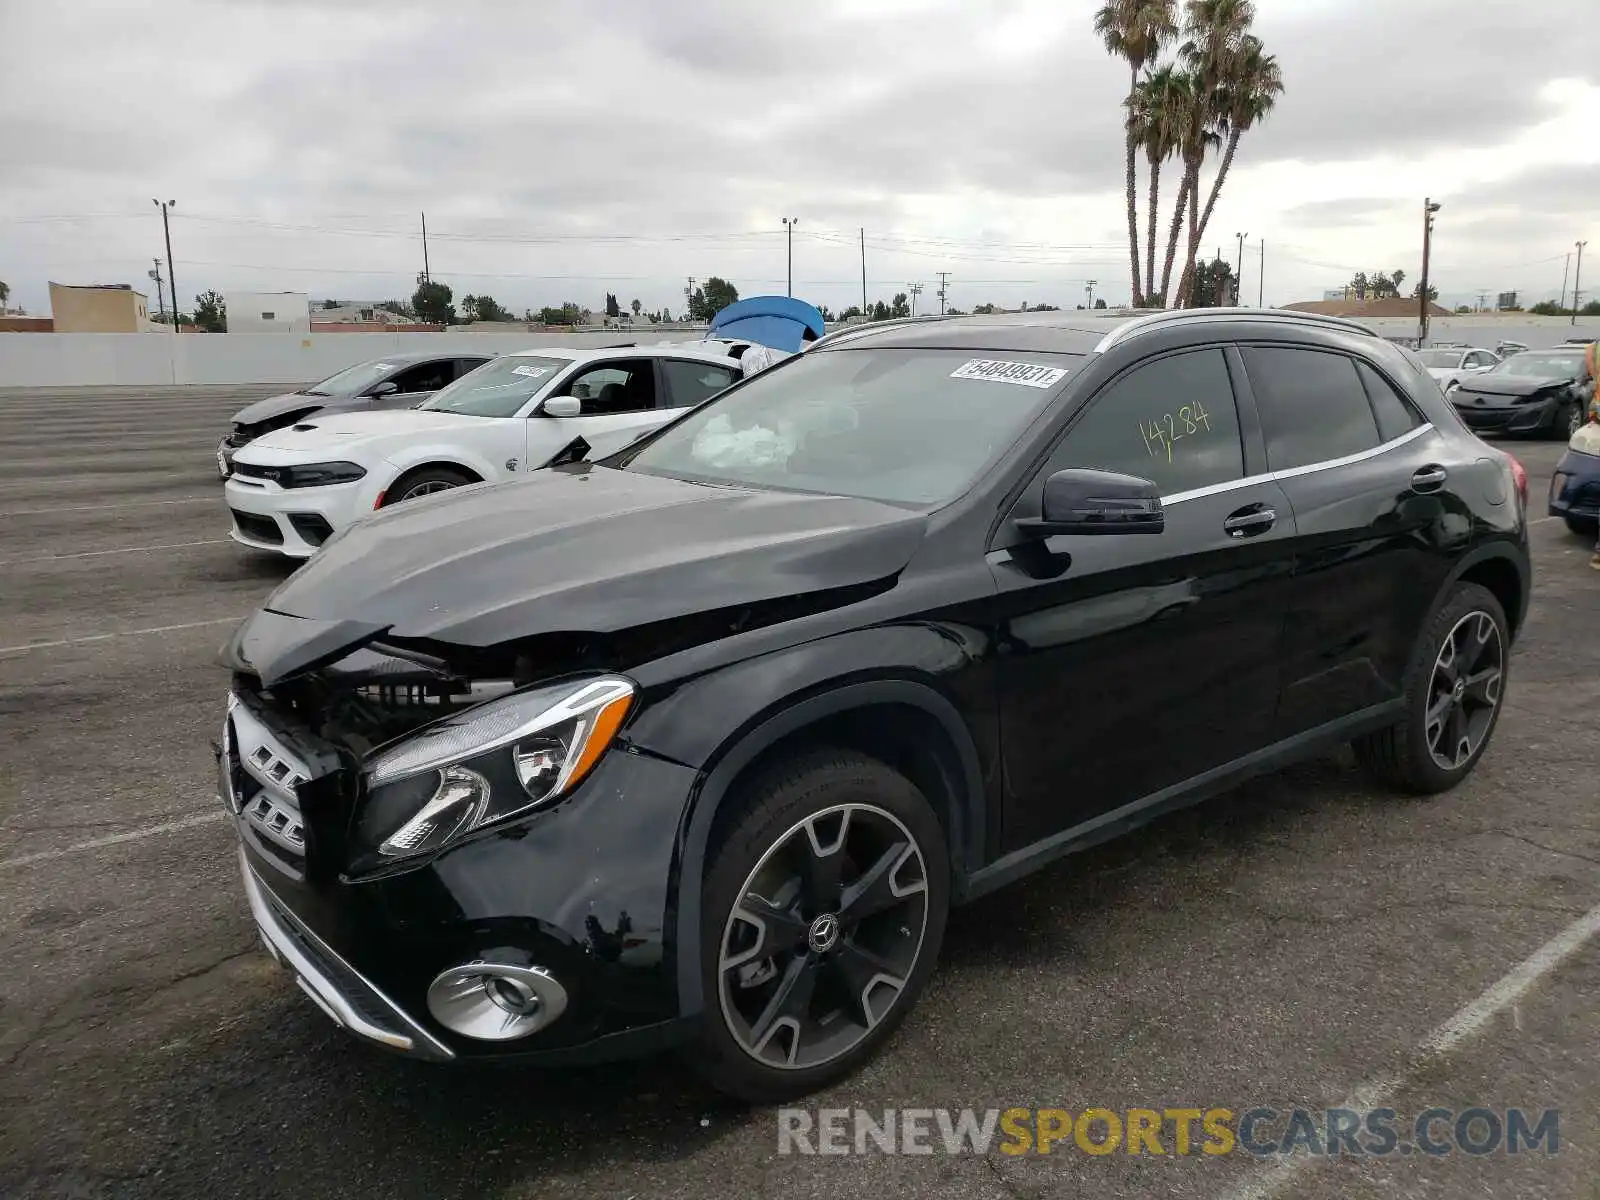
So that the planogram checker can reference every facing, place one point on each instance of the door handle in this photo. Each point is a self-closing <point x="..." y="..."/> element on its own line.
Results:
<point x="1428" y="479"/>
<point x="1248" y="522"/>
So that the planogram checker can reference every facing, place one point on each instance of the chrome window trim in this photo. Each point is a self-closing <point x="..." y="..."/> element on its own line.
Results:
<point x="1228" y="485"/>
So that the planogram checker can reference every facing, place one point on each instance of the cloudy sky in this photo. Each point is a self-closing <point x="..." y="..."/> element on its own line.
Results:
<point x="562" y="149"/>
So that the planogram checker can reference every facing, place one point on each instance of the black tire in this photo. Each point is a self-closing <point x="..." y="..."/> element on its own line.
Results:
<point x="786" y="812"/>
<point x="1582" y="527"/>
<point x="424" y="482"/>
<point x="1567" y="421"/>
<point x="1403" y="755"/>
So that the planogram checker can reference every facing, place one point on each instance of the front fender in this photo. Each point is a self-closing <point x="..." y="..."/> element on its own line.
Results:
<point x="448" y="454"/>
<point x="721" y="721"/>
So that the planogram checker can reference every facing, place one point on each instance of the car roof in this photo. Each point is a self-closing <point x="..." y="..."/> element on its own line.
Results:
<point x="1058" y="331"/>
<point x="416" y="356"/>
<point x="625" y="350"/>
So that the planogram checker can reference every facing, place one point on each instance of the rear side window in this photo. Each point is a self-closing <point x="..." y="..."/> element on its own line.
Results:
<point x="1313" y="407"/>
<point x="1395" y="416"/>
<point x="690" y="382"/>
<point x="1171" y="421"/>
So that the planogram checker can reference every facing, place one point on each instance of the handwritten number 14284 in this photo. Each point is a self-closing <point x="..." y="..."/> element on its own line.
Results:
<point x="1160" y="434"/>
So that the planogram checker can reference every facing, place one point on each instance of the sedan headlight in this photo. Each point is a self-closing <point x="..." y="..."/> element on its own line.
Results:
<point x="319" y="474"/>
<point x="488" y="764"/>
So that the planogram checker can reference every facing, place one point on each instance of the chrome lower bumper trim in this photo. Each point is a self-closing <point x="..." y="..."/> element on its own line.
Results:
<point x="315" y="966"/>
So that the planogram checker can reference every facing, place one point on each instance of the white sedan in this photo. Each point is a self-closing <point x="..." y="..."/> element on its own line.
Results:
<point x="293" y="489"/>
<point x="1449" y="365"/>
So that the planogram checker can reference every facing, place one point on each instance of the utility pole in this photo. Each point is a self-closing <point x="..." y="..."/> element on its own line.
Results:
<point x="688" y="300"/>
<point x="1483" y="301"/>
<point x="1238" y="279"/>
<point x="863" y="270"/>
<point x="172" y="268"/>
<point x="789" y="223"/>
<point x="161" y="297"/>
<point x="916" y="290"/>
<point x="1577" y="280"/>
<point x="1261" y="277"/>
<point x="427" y="276"/>
<point x="1088" y="291"/>
<point x="944" y="285"/>
<point x="1429" y="207"/>
<point x="1566" y="274"/>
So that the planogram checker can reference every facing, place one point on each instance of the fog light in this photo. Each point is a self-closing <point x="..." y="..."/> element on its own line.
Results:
<point x="496" y="1002"/>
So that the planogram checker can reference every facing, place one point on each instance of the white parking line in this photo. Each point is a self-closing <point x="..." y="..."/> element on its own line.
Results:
<point x="6" y="562"/>
<point x="102" y="637"/>
<point x="1275" y="1180"/>
<point x="116" y="839"/>
<point x="38" y="512"/>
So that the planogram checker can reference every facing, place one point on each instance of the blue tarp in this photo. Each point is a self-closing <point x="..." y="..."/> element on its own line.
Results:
<point x="776" y="321"/>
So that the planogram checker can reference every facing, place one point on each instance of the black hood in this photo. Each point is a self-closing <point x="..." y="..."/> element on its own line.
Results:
<point x="1495" y="384"/>
<point x="578" y="549"/>
<point x="277" y="406"/>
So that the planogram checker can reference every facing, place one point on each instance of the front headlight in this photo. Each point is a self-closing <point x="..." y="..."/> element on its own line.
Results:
<point x="493" y="762"/>
<point x="320" y="474"/>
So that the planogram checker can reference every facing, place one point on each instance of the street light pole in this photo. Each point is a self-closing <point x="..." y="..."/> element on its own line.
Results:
<point x="1577" y="279"/>
<point x="789" y="223"/>
<point x="172" y="267"/>
<point x="1429" y="207"/>
<point x="1238" y="275"/>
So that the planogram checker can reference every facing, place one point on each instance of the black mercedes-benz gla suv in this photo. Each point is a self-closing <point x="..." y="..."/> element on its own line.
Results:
<point x="695" y="746"/>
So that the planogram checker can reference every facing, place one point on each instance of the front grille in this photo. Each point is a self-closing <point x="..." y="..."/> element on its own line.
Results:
<point x="251" y="471"/>
<point x="262" y="529"/>
<point x="313" y="527"/>
<point x="266" y="778"/>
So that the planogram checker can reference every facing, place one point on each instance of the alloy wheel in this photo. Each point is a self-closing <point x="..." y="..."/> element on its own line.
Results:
<point x="1465" y="690"/>
<point x="1574" y="419"/>
<point x="824" y="937"/>
<point x="426" y="488"/>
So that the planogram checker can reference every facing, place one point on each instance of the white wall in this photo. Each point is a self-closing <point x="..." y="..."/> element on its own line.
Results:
<point x="104" y="359"/>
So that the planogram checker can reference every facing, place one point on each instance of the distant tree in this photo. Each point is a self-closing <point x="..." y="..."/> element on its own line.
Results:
<point x="483" y="308"/>
<point x="211" y="312"/>
<point x="635" y="305"/>
<point x="953" y="311"/>
<point x="1048" y="307"/>
<point x="719" y="293"/>
<point x="983" y="309"/>
<point x="5" y="292"/>
<point x="399" y="308"/>
<point x="901" y="306"/>
<point x="827" y="313"/>
<point x="1416" y="292"/>
<point x="850" y="313"/>
<point x="1463" y="308"/>
<point x="666" y="316"/>
<point x="880" y="311"/>
<point x="567" y="314"/>
<point x="1548" y="308"/>
<point x="1591" y="309"/>
<point x="1397" y="278"/>
<point x="432" y="302"/>
<point x="1213" y="284"/>
<point x="1099" y="303"/>
<point x="328" y="304"/>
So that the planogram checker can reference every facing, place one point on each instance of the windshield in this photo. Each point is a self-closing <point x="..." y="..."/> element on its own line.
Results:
<point x="906" y="426"/>
<point x="1440" y="358"/>
<point x="1556" y="365"/>
<point x="353" y="380"/>
<point x="498" y="388"/>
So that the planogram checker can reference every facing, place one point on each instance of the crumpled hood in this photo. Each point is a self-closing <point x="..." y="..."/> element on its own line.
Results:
<point x="1511" y="385"/>
<point x="334" y="431"/>
<point x="276" y="406"/>
<point x="580" y="548"/>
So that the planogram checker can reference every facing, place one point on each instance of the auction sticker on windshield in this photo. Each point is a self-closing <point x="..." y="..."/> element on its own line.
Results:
<point x="530" y="372"/>
<point x="999" y="370"/>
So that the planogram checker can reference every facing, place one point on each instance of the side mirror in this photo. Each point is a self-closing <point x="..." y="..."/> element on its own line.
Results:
<point x="387" y="388"/>
<point x="1081" y="501"/>
<point x="562" y="406"/>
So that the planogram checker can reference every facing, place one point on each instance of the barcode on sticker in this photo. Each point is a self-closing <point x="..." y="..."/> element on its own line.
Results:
<point x="1000" y="370"/>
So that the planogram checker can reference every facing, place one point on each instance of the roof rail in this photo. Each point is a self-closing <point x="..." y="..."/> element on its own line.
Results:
<point x="846" y="332"/>
<point x="1186" y="315"/>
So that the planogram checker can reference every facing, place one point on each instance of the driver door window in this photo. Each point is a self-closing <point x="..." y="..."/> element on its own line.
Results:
<point x="620" y="386"/>
<point x="1171" y="421"/>
<point x="1480" y="358"/>
<point x="424" y="377"/>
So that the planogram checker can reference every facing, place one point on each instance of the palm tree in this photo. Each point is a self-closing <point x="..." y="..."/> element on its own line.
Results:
<point x="1135" y="30"/>
<point x="1159" y="109"/>
<point x="5" y="294"/>
<point x="1193" y="137"/>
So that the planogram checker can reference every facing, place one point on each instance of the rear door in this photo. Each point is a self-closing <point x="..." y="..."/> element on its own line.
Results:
<point x="687" y="382"/>
<point x="1131" y="663"/>
<point x="1377" y="524"/>
<point x="417" y="382"/>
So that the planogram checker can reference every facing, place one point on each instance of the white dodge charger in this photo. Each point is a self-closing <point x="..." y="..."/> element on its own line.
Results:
<point x="293" y="489"/>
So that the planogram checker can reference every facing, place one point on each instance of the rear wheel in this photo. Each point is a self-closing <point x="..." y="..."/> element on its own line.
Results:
<point x="824" y="912"/>
<point x="424" y="483"/>
<point x="1569" y="420"/>
<point x="1454" y="686"/>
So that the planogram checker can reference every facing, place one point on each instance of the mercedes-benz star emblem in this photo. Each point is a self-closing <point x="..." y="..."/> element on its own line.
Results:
<point x="824" y="932"/>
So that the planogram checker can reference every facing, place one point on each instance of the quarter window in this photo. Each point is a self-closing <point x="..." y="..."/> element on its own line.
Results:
<point x="1313" y="407"/>
<point x="688" y="382"/>
<point x="1171" y="421"/>
<point x="1395" y="416"/>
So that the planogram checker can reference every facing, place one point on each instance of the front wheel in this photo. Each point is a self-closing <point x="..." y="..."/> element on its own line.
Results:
<point x="423" y="483"/>
<point x="824" y="912"/>
<point x="1568" y="421"/>
<point x="1454" y="686"/>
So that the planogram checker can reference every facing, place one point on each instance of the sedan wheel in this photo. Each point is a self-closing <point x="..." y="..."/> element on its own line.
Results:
<point x="1574" y="419"/>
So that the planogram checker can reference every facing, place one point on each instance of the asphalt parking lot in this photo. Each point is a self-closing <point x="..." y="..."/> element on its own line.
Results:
<point x="1293" y="944"/>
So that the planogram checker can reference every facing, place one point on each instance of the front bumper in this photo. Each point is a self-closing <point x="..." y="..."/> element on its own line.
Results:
<point x="294" y="522"/>
<point x="1575" y="487"/>
<point x="1527" y="417"/>
<point x="583" y="891"/>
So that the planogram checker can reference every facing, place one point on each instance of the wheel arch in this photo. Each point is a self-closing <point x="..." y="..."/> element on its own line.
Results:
<point x="433" y="464"/>
<point x="931" y="744"/>
<point x="1496" y="567"/>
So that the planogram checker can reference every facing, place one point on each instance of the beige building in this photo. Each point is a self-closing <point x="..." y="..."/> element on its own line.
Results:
<point x="99" y="308"/>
